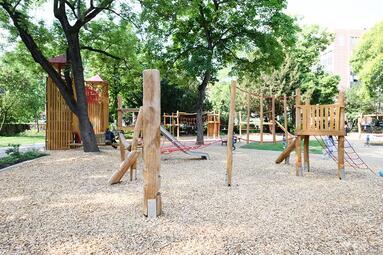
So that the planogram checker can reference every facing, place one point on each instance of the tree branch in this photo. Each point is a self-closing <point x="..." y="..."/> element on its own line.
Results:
<point x="91" y="13"/>
<point x="37" y="55"/>
<point x="101" y="52"/>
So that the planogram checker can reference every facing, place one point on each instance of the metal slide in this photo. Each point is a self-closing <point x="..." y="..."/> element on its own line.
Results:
<point x="183" y="148"/>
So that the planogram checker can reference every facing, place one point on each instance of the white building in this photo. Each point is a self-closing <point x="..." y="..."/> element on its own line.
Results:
<point x="336" y="58"/>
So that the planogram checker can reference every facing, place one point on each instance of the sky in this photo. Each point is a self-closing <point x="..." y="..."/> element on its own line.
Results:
<point x="338" y="14"/>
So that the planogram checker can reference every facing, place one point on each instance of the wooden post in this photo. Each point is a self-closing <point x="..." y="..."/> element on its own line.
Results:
<point x="298" y="154"/>
<point x="287" y="159"/>
<point x="122" y="147"/>
<point x="151" y="135"/>
<point x="248" y="119"/>
<point x="119" y="112"/>
<point x="136" y="134"/>
<point x="341" y="171"/>
<point x="360" y="126"/>
<point x="306" y="157"/>
<point x="178" y="124"/>
<point x="261" y="118"/>
<point x="273" y="118"/>
<point x="240" y="123"/>
<point x="219" y="124"/>
<point x="230" y="130"/>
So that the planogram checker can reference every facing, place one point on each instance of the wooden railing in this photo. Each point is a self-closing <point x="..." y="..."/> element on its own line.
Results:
<point x="320" y="119"/>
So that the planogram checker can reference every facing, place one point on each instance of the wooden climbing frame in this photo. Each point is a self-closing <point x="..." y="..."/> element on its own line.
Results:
<point x="316" y="120"/>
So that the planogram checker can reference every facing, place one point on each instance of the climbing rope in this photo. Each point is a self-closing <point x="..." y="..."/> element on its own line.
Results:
<point x="352" y="158"/>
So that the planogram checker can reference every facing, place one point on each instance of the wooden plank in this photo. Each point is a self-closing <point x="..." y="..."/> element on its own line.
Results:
<point x="151" y="135"/>
<point x="229" y="167"/>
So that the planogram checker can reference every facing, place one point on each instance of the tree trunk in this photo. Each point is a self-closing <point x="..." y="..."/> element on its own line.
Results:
<point x="87" y="134"/>
<point x="199" y="105"/>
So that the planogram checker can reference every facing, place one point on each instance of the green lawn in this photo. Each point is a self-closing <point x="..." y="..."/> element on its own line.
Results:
<point x="315" y="147"/>
<point x="27" y="138"/>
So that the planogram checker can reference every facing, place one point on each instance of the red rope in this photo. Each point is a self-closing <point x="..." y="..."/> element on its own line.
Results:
<point x="171" y="149"/>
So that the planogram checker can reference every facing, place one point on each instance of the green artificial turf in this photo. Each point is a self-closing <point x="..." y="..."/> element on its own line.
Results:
<point x="315" y="147"/>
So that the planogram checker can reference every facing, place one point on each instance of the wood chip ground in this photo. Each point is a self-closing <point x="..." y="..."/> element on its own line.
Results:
<point x="62" y="204"/>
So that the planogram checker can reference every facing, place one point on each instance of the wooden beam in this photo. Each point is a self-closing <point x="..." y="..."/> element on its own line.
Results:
<point x="119" y="112"/>
<point x="248" y="119"/>
<point x="178" y="125"/>
<point x="273" y="118"/>
<point x="240" y="123"/>
<point x="306" y="152"/>
<point x="229" y="168"/>
<point x="286" y="153"/>
<point x="126" y="164"/>
<point x="287" y="159"/>
<point x="261" y="118"/>
<point x="151" y="134"/>
<point x="341" y="103"/>
<point x="298" y="157"/>
<point x="136" y="134"/>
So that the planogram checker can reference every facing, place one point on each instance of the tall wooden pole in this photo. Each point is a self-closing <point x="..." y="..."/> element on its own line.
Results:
<point x="119" y="112"/>
<point x="341" y="103"/>
<point x="248" y="119"/>
<point x="229" y="168"/>
<point x="151" y="134"/>
<point x="240" y="123"/>
<point x="306" y="157"/>
<point x="261" y="118"/>
<point x="298" y="153"/>
<point x="273" y="118"/>
<point x="178" y="124"/>
<point x="287" y="159"/>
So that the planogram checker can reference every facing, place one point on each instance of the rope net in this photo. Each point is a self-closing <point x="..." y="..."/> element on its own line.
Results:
<point x="352" y="158"/>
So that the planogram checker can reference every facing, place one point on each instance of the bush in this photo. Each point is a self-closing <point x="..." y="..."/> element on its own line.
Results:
<point x="13" y="129"/>
<point x="15" y="157"/>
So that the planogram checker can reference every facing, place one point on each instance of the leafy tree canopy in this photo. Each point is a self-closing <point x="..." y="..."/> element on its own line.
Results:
<point x="367" y="60"/>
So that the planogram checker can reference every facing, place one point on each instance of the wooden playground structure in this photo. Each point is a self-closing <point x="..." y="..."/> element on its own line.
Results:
<point x="174" y="121"/>
<point x="62" y="127"/>
<point x="311" y="120"/>
<point x="317" y="120"/>
<point x="268" y="102"/>
<point x="147" y="126"/>
<point x="132" y="116"/>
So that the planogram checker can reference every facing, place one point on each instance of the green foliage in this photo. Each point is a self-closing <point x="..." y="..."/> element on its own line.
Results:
<point x="359" y="102"/>
<point x="16" y="158"/>
<point x="300" y="69"/>
<point x="367" y="60"/>
<point x="22" y="88"/>
<point x="14" y="150"/>
<point x="203" y="37"/>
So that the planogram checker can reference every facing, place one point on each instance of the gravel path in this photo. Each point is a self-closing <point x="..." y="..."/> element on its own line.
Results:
<point x="61" y="204"/>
